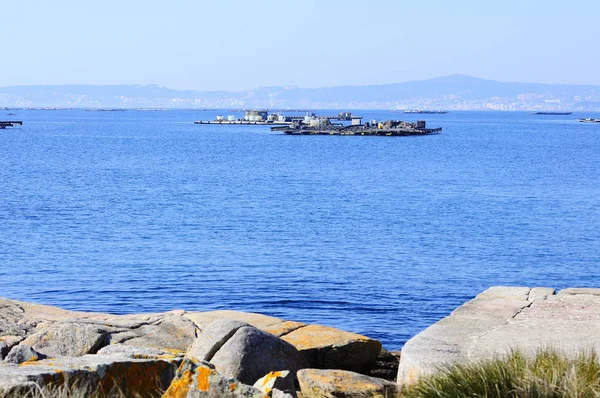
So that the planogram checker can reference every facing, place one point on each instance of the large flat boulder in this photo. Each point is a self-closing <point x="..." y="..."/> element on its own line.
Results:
<point x="64" y="332"/>
<point x="88" y="375"/>
<point x="131" y="351"/>
<point x="68" y="339"/>
<point x="334" y="383"/>
<point x="502" y="319"/>
<point x="329" y="348"/>
<point x="168" y="332"/>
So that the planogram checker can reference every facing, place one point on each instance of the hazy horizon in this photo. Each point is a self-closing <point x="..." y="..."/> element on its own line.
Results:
<point x="234" y="45"/>
<point x="298" y="86"/>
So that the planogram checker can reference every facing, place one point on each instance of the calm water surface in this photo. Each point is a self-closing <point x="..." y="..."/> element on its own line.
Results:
<point x="144" y="211"/>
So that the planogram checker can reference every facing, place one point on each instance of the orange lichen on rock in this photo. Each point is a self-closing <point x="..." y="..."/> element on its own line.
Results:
<point x="268" y="378"/>
<point x="203" y="374"/>
<point x="315" y="336"/>
<point x="180" y="387"/>
<point x="325" y="383"/>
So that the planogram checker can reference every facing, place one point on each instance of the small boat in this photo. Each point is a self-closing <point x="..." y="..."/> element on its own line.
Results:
<point x="11" y="114"/>
<point x="589" y="120"/>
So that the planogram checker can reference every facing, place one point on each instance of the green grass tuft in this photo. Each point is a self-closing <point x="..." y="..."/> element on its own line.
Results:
<point x="546" y="375"/>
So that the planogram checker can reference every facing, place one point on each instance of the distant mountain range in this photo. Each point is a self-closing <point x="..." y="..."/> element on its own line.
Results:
<point x="457" y="92"/>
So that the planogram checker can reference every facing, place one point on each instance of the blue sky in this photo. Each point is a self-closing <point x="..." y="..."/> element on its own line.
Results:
<point x="235" y="44"/>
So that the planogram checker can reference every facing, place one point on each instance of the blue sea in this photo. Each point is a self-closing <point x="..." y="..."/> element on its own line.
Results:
<point x="144" y="211"/>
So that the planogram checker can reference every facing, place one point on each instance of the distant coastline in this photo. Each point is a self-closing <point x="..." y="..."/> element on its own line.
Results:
<point x="450" y="93"/>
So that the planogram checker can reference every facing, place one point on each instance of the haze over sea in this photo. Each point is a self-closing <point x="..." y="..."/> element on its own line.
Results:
<point x="143" y="211"/>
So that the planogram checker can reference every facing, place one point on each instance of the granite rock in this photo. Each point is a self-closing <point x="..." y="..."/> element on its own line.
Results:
<point x="502" y="319"/>
<point x="130" y="351"/>
<point x="329" y="348"/>
<point x="88" y="375"/>
<point x="168" y="332"/>
<point x="282" y="381"/>
<point x="320" y="383"/>
<point x="196" y="379"/>
<point x="68" y="339"/>
<point x="212" y="338"/>
<point x="251" y="353"/>
<point x="23" y="353"/>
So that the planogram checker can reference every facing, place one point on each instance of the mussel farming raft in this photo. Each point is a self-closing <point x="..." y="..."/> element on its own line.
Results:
<point x="387" y="128"/>
<point x="10" y="123"/>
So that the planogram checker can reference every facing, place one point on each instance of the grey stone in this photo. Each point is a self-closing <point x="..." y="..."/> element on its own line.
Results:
<point x="540" y="293"/>
<point x="500" y="320"/>
<point x="130" y="351"/>
<point x="276" y="393"/>
<point x="581" y="290"/>
<point x="275" y="326"/>
<point x="68" y="339"/>
<point x="260" y="321"/>
<point x="12" y="320"/>
<point x="169" y="332"/>
<point x="197" y="379"/>
<point x="282" y="381"/>
<point x="212" y="338"/>
<point x="318" y="383"/>
<point x="23" y="353"/>
<point x="251" y="353"/>
<point x="95" y="375"/>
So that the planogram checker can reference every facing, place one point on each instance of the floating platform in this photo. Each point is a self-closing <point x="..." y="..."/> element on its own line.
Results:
<point x="421" y="111"/>
<point x="10" y="123"/>
<point x="552" y="113"/>
<point x="589" y="120"/>
<point x="358" y="131"/>
<point x="245" y="122"/>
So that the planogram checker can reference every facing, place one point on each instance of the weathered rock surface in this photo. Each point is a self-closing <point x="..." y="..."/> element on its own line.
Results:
<point x="130" y="351"/>
<point x="67" y="339"/>
<point x="505" y="318"/>
<point x="279" y="382"/>
<point x="57" y="332"/>
<point x="269" y="324"/>
<point x="23" y="353"/>
<point x="89" y="374"/>
<point x="170" y="332"/>
<point x="319" y="383"/>
<point x="197" y="379"/>
<point x="251" y="353"/>
<point x="328" y="348"/>
<point x="276" y="393"/>
<point x="212" y="338"/>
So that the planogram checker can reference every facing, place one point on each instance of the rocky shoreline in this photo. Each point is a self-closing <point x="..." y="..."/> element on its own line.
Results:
<point x="176" y="353"/>
<point x="238" y="354"/>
